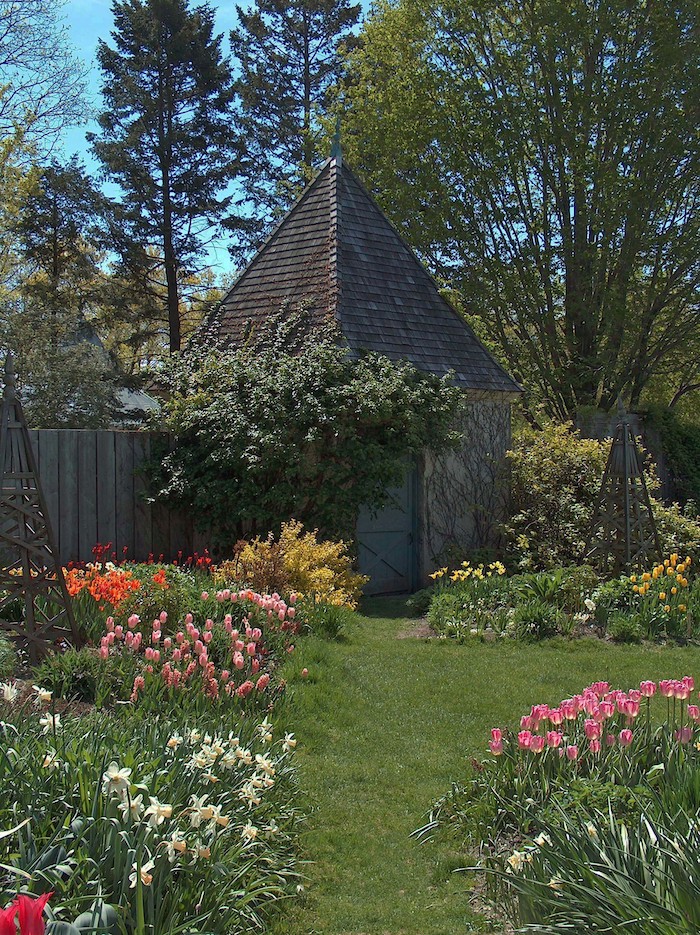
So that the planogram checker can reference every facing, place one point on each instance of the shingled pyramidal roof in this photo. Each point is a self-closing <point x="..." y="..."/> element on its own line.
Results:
<point x="336" y="254"/>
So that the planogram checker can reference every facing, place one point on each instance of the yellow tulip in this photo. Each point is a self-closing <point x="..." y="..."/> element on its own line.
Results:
<point x="682" y="608"/>
<point x="662" y="596"/>
<point x="667" y="609"/>
<point x="674" y="590"/>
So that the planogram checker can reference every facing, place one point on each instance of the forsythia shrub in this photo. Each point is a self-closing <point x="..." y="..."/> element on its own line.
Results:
<point x="298" y="561"/>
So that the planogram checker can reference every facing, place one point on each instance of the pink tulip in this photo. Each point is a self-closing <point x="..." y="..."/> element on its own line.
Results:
<point x="238" y="660"/>
<point x="109" y="624"/>
<point x="245" y="689"/>
<point x="554" y="738"/>
<point x="556" y="717"/>
<point x="572" y="752"/>
<point x="7" y="919"/>
<point x="251" y="649"/>
<point x="189" y="618"/>
<point x="291" y="612"/>
<point x="610" y="740"/>
<point x="496" y="734"/>
<point x="689" y="682"/>
<point x="694" y="712"/>
<point x="204" y="595"/>
<point x="304" y="673"/>
<point x="594" y="746"/>
<point x="496" y="747"/>
<point x="647" y="689"/>
<point x="524" y="739"/>
<point x="207" y="637"/>
<point x="167" y="643"/>
<point x="262" y="682"/>
<point x="592" y="730"/>
<point x="104" y="652"/>
<point x="685" y="734"/>
<point x="625" y="737"/>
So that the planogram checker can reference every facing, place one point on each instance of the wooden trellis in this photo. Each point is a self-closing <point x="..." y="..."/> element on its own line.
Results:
<point x="35" y="608"/>
<point x="623" y="531"/>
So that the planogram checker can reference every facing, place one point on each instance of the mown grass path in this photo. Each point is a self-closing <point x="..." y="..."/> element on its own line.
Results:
<point x="385" y="724"/>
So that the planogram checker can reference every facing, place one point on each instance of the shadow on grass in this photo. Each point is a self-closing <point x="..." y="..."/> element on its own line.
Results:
<point x="387" y="608"/>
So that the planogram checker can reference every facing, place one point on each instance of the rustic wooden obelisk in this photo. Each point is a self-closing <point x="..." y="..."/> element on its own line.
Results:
<point x="623" y="532"/>
<point x="35" y="608"/>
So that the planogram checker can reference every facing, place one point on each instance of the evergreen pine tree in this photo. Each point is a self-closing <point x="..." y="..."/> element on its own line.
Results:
<point x="289" y="53"/>
<point x="166" y="136"/>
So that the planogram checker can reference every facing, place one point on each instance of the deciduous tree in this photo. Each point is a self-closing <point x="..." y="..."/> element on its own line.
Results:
<point x="543" y="157"/>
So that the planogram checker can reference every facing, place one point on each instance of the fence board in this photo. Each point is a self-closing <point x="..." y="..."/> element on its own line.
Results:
<point x="143" y="512"/>
<point x="69" y="493"/>
<point x="124" y="457"/>
<point x="87" y="485"/>
<point x="106" y="490"/>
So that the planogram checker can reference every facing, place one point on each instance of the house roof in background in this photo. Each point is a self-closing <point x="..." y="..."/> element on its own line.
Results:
<point x="338" y="257"/>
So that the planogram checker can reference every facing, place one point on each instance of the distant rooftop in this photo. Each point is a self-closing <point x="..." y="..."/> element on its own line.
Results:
<point x="338" y="257"/>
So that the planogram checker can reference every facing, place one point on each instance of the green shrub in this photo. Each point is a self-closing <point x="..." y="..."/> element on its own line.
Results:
<point x="625" y="628"/>
<point x="418" y="604"/>
<point x="325" y="620"/>
<point x="251" y="431"/>
<point x="83" y="676"/>
<point x="535" y="620"/>
<point x="555" y="480"/>
<point x="542" y="586"/>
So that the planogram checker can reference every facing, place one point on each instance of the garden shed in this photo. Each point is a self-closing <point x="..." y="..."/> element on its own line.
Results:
<point x="337" y="257"/>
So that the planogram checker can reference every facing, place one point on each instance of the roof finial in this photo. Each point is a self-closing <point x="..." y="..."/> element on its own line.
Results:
<point x="10" y="377"/>
<point x="621" y="412"/>
<point x="336" y="150"/>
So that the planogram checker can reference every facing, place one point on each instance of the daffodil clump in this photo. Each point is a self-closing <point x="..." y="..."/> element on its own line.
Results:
<point x="466" y="571"/>
<point x="664" y="597"/>
<point x="167" y="821"/>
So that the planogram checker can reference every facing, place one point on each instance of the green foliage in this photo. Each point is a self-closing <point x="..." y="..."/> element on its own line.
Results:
<point x="534" y="619"/>
<point x="432" y="86"/>
<point x="544" y="587"/>
<point x="555" y="477"/>
<point x="205" y="845"/>
<point x="8" y="658"/>
<point x="83" y="676"/>
<point x="178" y="594"/>
<point x="625" y="628"/>
<point x="165" y="138"/>
<point x="261" y="436"/>
<point x="329" y="621"/>
<point x="601" y="875"/>
<point x="418" y="604"/>
<point x="681" y="447"/>
<point x="289" y="56"/>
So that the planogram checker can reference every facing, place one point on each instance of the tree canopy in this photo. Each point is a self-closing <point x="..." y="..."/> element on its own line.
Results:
<point x="543" y="157"/>
<point x="289" y="56"/>
<point x="165" y="138"/>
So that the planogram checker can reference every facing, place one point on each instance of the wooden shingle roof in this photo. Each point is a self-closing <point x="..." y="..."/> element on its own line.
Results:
<point x="336" y="255"/>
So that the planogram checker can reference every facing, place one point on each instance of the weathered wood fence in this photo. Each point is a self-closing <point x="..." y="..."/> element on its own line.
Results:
<point x="96" y="491"/>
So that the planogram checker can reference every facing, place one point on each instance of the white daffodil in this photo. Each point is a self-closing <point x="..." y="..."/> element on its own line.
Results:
<point x="244" y="755"/>
<point x="9" y="691"/>
<point x="115" y="779"/>
<point x="131" y="807"/>
<point x="144" y="871"/>
<point x="209" y="777"/>
<point x="43" y="695"/>
<point x="264" y="764"/>
<point x="250" y="795"/>
<point x="174" y="742"/>
<point x="200" y="811"/>
<point x="542" y="839"/>
<point x="174" y="846"/>
<point x="157" y="812"/>
<point x="289" y="743"/>
<point x="229" y="760"/>
<point x="195" y="735"/>
<point x="249" y="833"/>
<point x="592" y="831"/>
<point x="272" y="829"/>
<point x="265" y="730"/>
<point x="51" y="760"/>
<point x="517" y="860"/>
<point x="50" y="722"/>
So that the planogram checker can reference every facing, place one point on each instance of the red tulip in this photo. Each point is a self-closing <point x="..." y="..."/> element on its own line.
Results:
<point x="31" y="913"/>
<point x="7" y="919"/>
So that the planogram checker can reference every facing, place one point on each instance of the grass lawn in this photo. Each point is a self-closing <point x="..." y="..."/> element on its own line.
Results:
<point x="384" y="726"/>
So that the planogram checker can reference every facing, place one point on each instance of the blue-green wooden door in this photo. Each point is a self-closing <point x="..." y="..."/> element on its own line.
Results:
<point x="387" y="543"/>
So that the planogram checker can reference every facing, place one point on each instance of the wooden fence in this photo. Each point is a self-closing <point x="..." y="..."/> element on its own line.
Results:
<point x="96" y="491"/>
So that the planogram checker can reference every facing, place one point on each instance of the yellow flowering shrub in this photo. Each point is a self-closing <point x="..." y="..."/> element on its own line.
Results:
<point x="299" y="562"/>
